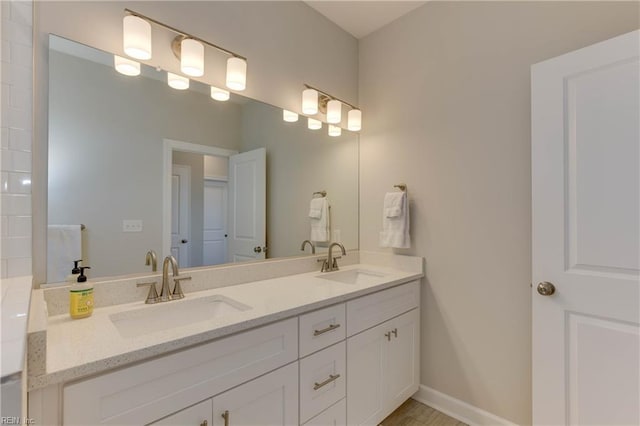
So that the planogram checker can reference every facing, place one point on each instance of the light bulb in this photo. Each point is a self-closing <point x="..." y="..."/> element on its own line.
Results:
<point x="136" y="37"/>
<point x="314" y="124"/>
<point x="192" y="57"/>
<point x="236" y="73"/>
<point x="354" y="120"/>
<point x="334" y="111"/>
<point x="177" y="81"/>
<point x="334" y="130"/>
<point x="219" y="94"/>
<point x="289" y="116"/>
<point x="310" y="101"/>
<point x="126" y="66"/>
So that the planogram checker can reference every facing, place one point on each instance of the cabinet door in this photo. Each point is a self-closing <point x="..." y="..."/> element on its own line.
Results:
<point x="270" y="400"/>
<point x="196" y="415"/>
<point x="403" y="363"/>
<point x="366" y="360"/>
<point x="336" y="415"/>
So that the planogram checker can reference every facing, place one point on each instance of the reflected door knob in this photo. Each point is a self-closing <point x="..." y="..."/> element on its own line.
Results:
<point x="257" y="249"/>
<point x="545" y="288"/>
<point x="185" y="241"/>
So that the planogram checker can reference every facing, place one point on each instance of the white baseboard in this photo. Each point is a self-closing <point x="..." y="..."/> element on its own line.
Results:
<point x="457" y="409"/>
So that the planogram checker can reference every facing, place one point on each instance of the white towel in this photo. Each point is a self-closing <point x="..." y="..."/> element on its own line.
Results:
<point x="395" y="229"/>
<point x="64" y="245"/>
<point x="319" y="215"/>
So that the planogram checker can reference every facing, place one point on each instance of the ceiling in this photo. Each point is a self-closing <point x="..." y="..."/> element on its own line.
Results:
<point x="361" y="18"/>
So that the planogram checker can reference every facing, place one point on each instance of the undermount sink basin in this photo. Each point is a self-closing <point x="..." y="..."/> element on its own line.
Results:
<point x="353" y="276"/>
<point x="167" y="315"/>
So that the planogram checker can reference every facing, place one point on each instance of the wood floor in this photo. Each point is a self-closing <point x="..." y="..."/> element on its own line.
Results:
<point x="413" y="413"/>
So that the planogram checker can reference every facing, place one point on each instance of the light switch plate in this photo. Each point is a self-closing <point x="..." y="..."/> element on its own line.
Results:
<point x="129" y="225"/>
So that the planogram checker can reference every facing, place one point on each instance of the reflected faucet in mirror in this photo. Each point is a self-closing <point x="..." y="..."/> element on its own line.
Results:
<point x="152" y="259"/>
<point x="313" y="247"/>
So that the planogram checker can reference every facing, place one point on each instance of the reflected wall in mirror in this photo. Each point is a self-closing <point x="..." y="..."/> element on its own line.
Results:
<point x="119" y="146"/>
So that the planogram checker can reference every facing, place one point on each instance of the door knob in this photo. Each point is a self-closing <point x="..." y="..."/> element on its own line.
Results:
<point x="545" y="288"/>
<point x="257" y="249"/>
<point x="185" y="241"/>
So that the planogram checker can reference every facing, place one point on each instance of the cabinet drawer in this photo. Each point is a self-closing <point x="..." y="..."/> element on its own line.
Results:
<point x="322" y="328"/>
<point x="322" y="380"/>
<point x="150" y="390"/>
<point x="336" y="415"/>
<point x="376" y="308"/>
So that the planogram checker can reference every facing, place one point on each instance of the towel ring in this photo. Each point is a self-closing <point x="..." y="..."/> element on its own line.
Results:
<point x="320" y="193"/>
<point x="401" y="186"/>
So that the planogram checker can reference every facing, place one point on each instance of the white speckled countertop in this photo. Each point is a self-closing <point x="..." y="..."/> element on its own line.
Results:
<point x="79" y="348"/>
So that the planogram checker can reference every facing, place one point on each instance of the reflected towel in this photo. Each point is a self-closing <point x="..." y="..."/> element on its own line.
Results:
<point x="64" y="245"/>
<point x="395" y="229"/>
<point x="319" y="215"/>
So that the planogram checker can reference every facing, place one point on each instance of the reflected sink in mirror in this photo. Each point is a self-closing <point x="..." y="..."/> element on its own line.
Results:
<point x="151" y="319"/>
<point x="353" y="276"/>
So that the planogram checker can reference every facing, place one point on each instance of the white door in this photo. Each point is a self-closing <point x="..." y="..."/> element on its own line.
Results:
<point x="214" y="246"/>
<point x="247" y="205"/>
<point x="271" y="400"/>
<point x="586" y="235"/>
<point x="180" y="213"/>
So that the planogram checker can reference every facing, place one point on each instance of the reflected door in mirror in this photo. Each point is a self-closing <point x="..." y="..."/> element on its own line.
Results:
<point x="214" y="249"/>
<point x="180" y="207"/>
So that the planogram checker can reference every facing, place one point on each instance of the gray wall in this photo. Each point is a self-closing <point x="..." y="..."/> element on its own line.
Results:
<point x="106" y="132"/>
<point x="446" y="96"/>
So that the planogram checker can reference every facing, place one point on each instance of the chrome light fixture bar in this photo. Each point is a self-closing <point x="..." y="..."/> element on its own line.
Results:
<point x="236" y="64"/>
<point x="314" y="100"/>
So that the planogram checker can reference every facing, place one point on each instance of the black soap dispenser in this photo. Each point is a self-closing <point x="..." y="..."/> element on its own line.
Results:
<point x="75" y="272"/>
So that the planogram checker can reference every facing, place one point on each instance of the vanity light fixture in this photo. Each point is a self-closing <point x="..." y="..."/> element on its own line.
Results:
<point x="314" y="100"/>
<point x="289" y="116"/>
<point x="219" y="94"/>
<point x="188" y="48"/>
<point x="126" y="66"/>
<point x="177" y="82"/>
<point x="314" y="124"/>
<point x="136" y="37"/>
<point x="334" y="130"/>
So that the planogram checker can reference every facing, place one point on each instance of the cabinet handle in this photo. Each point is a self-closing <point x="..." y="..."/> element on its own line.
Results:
<point x="395" y="332"/>
<point x="204" y="423"/>
<point x="324" y="330"/>
<point x="225" y="416"/>
<point x="331" y="378"/>
<point x="388" y="336"/>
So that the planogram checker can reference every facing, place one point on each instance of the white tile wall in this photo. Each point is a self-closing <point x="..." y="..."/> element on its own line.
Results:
<point x="16" y="89"/>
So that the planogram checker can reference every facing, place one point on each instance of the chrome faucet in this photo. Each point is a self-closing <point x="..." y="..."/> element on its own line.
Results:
<point x="151" y="259"/>
<point x="331" y="263"/>
<point x="165" y="293"/>
<point x="313" y="247"/>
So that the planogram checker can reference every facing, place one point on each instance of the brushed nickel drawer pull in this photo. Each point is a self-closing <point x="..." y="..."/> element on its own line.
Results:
<point x="331" y="378"/>
<point x="325" y="330"/>
<point x="225" y="416"/>
<point x="388" y="336"/>
<point x="395" y="332"/>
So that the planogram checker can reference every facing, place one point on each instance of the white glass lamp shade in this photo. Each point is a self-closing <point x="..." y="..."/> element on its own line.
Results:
<point x="177" y="81"/>
<point x="354" y="120"/>
<point x="310" y="101"/>
<point x="289" y="116"/>
<point x="314" y="124"/>
<point x="136" y="37"/>
<point x="334" y="111"/>
<point x="192" y="57"/>
<point x="334" y="130"/>
<point x="126" y="66"/>
<point x="236" y="73"/>
<point x="219" y="94"/>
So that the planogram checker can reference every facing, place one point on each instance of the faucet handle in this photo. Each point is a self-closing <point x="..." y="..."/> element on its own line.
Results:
<point x="152" y="296"/>
<point x="177" y="289"/>
<point x="325" y="264"/>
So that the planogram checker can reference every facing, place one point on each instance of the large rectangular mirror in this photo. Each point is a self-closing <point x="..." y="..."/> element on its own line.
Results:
<point x="135" y="165"/>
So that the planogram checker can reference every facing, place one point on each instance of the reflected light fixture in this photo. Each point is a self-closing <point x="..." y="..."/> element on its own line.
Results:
<point x="236" y="73"/>
<point x="177" y="81"/>
<point x="310" y="101"/>
<point x="334" y="130"/>
<point x="354" y="120"/>
<point x="192" y="57"/>
<point x="289" y="116"/>
<point x="126" y="66"/>
<point x="334" y="111"/>
<point x="219" y="94"/>
<point x="136" y="37"/>
<point x="314" y="124"/>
